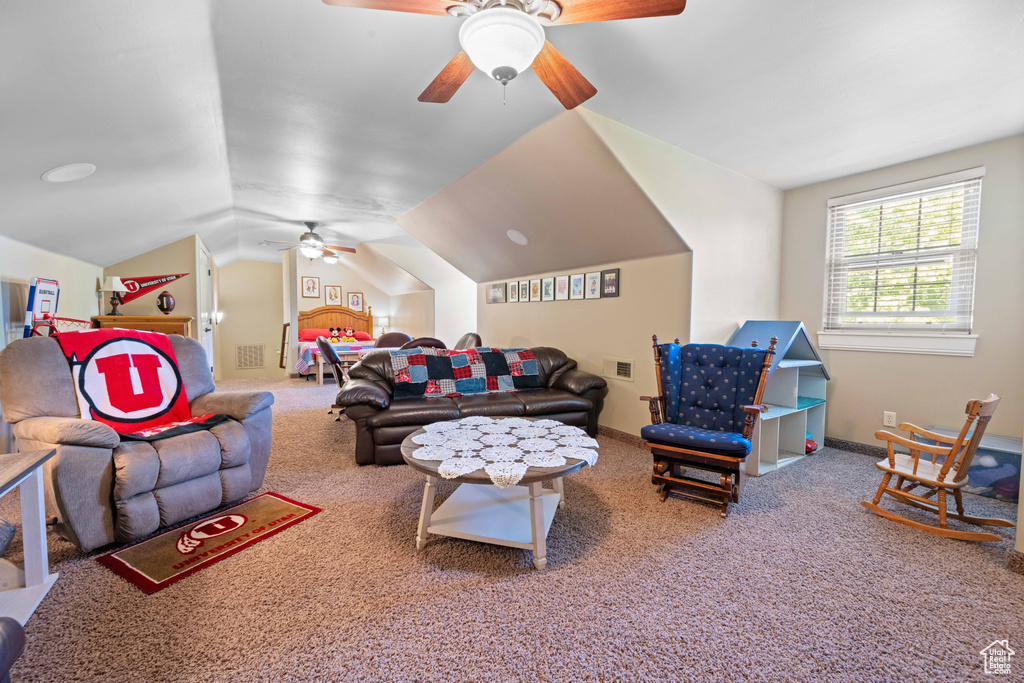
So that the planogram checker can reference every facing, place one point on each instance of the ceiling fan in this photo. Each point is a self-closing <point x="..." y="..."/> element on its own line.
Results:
<point x="312" y="246"/>
<point x="503" y="38"/>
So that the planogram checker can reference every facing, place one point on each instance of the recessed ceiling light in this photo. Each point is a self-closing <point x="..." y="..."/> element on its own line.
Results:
<point x="518" y="237"/>
<point x="68" y="173"/>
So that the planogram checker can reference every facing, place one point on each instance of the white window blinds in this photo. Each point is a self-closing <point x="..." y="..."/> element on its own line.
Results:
<point x="904" y="257"/>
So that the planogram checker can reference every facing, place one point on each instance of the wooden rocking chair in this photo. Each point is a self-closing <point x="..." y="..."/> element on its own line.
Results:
<point x="937" y="478"/>
<point x="708" y="402"/>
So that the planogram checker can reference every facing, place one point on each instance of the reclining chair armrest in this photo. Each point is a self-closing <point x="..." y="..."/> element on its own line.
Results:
<point x="67" y="431"/>
<point x="578" y="382"/>
<point x="237" y="405"/>
<point x="363" y="391"/>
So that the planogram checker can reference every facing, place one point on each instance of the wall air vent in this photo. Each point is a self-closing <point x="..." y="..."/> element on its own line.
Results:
<point x="617" y="368"/>
<point x="249" y="356"/>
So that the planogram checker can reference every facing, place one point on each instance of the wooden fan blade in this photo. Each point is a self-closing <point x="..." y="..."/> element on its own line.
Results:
<point x="294" y="244"/>
<point x="348" y="250"/>
<point x="438" y="7"/>
<point x="582" y="11"/>
<point x="449" y="80"/>
<point x="562" y="78"/>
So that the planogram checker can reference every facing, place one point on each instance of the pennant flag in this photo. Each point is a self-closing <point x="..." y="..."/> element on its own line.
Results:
<point x="137" y="286"/>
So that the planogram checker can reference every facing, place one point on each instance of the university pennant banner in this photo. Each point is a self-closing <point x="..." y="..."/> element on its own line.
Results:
<point x="129" y="380"/>
<point x="137" y="286"/>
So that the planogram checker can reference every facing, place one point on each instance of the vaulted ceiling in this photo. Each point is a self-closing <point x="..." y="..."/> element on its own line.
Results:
<point x="228" y="118"/>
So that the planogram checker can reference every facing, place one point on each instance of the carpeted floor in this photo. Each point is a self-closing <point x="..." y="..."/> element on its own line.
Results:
<point x="799" y="584"/>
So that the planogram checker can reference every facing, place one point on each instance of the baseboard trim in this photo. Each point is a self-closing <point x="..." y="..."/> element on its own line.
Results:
<point x="626" y="437"/>
<point x="855" y="447"/>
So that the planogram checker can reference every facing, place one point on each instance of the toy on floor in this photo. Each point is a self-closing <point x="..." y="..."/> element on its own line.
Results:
<point x="810" y="445"/>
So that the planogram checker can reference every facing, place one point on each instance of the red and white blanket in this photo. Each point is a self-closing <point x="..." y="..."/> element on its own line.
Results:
<point x="129" y="380"/>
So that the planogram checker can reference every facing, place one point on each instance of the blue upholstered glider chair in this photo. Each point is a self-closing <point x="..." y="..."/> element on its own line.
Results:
<point x="709" y="399"/>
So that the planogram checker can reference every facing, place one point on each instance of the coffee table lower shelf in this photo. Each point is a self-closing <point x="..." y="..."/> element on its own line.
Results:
<point x="517" y="517"/>
<point x="491" y="515"/>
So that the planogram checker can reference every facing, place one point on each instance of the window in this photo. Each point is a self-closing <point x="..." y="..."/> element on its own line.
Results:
<point x="903" y="258"/>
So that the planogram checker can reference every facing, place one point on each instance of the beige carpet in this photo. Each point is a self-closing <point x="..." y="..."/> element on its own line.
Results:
<point x="799" y="584"/>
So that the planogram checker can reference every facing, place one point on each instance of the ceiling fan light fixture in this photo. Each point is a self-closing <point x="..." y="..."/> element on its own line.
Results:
<point x="330" y="259"/>
<point x="502" y="41"/>
<point x="310" y="252"/>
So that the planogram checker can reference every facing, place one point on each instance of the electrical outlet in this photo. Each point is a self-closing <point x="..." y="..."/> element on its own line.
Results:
<point x="888" y="419"/>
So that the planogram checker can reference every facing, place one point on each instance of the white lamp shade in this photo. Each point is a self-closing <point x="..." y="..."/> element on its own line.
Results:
<point x="330" y="259"/>
<point x="309" y="252"/>
<point x="113" y="284"/>
<point x="501" y="36"/>
<point x="381" y="321"/>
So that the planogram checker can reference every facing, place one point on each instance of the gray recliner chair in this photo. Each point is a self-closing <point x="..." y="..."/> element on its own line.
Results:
<point x="102" y="490"/>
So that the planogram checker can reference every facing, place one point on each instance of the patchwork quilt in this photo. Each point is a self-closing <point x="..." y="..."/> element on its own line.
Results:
<point x="444" y="372"/>
<point x="129" y="380"/>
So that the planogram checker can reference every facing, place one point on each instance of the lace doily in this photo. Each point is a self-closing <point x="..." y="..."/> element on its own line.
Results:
<point x="505" y="448"/>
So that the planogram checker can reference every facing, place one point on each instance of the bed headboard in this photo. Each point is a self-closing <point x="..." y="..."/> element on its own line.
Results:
<point x="326" y="317"/>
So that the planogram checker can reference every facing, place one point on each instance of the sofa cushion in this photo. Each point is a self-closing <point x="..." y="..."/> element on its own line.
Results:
<point x="193" y="365"/>
<point x="186" y="457"/>
<point x="415" y="411"/>
<point x="547" y="401"/>
<point x="71" y="431"/>
<point x="723" y="443"/>
<point x="507" y="405"/>
<point x="136" y="469"/>
<point x="234" y="443"/>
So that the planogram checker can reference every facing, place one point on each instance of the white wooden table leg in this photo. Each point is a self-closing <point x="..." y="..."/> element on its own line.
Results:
<point x="540" y="558"/>
<point x="33" y="529"/>
<point x="428" y="505"/>
<point x="556" y="484"/>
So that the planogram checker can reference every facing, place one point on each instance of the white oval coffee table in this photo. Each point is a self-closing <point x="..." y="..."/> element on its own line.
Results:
<point x="518" y="516"/>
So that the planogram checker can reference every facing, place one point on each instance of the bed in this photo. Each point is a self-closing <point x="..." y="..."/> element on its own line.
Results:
<point x="324" y="318"/>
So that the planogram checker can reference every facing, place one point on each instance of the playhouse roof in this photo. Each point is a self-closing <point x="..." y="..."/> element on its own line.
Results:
<point x="794" y="348"/>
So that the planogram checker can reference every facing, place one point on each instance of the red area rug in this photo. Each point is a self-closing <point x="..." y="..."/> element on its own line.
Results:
<point x="159" y="561"/>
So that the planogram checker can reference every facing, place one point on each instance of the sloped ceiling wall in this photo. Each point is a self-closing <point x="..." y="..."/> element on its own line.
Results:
<point x="559" y="185"/>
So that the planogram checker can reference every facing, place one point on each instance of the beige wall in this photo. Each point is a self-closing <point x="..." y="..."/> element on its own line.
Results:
<point x="348" y="280"/>
<point x="922" y="389"/>
<point x="732" y="224"/>
<point x="251" y="299"/>
<point x="654" y="298"/>
<point x="176" y="257"/>
<point x="413" y="314"/>
<point x="19" y="263"/>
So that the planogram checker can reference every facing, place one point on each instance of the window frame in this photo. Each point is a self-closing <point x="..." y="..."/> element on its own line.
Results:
<point x="903" y="338"/>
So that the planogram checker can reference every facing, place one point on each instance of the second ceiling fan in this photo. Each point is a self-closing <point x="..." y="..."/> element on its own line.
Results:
<point x="503" y="38"/>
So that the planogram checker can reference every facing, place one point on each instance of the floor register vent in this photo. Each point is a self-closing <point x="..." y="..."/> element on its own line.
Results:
<point x="249" y="356"/>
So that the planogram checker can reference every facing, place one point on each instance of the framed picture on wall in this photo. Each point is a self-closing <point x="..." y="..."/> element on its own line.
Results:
<point x="513" y="292"/>
<point x="610" y="282"/>
<point x="576" y="286"/>
<point x="496" y="293"/>
<point x="561" y="288"/>
<point x="332" y="295"/>
<point x="524" y="291"/>
<point x="355" y="301"/>
<point x="547" y="289"/>
<point x="534" y="290"/>
<point x="593" y="285"/>
<point x="310" y="287"/>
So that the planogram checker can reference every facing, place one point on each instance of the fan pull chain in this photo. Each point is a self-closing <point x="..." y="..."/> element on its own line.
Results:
<point x="504" y="86"/>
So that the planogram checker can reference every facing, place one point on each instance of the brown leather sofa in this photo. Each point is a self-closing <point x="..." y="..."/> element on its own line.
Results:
<point x="567" y="394"/>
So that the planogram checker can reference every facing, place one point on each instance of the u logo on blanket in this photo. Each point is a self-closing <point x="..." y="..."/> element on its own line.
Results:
<point x="130" y="380"/>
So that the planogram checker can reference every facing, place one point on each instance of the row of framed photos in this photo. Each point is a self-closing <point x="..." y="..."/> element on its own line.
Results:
<point x="596" y="285"/>
<point x="332" y="294"/>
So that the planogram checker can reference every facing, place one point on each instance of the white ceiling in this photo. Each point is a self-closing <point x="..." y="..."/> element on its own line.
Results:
<point x="209" y="116"/>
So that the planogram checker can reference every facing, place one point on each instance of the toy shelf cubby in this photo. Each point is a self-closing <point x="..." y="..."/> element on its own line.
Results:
<point x="794" y="395"/>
